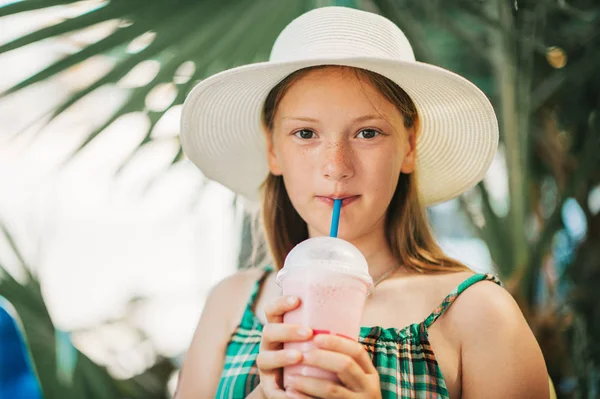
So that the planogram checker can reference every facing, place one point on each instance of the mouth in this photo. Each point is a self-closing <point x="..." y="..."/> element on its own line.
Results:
<point x="346" y="200"/>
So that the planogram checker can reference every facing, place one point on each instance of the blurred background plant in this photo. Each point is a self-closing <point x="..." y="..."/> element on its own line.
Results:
<point x="62" y="370"/>
<point x="539" y="217"/>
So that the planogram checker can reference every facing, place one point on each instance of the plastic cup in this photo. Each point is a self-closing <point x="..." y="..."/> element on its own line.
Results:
<point x="331" y="278"/>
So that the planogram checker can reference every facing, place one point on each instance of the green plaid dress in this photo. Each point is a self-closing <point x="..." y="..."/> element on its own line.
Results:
<point x="404" y="358"/>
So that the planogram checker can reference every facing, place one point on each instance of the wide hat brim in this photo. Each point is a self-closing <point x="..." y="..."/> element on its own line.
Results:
<point x="222" y="133"/>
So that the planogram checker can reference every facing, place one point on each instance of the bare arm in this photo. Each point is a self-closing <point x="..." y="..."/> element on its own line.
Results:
<point x="204" y="360"/>
<point x="500" y="355"/>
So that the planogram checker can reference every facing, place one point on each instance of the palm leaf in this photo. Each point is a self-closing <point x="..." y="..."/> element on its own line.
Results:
<point x="112" y="10"/>
<point x="119" y="37"/>
<point x="80" y="378"/>
<point x="136" y="100"/>
<point x="27" y="301"/>
<point x="203" y="32"/>
<point x="31" y="5"/>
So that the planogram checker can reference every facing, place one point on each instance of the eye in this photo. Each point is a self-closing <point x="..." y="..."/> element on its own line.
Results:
<point x="368" y="133"/>
<point x="305" y="134"/>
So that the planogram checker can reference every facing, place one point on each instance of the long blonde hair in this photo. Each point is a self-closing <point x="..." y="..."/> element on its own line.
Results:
<point x="407" y="228"/>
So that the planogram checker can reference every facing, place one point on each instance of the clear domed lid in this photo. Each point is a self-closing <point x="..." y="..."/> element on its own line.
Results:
<point x="327" y="252"/>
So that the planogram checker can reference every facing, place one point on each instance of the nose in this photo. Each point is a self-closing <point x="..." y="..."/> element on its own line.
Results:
<point x="337" y="162"/>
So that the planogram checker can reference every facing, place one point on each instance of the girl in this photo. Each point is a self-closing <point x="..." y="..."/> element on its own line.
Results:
<point x="342" y="110"/>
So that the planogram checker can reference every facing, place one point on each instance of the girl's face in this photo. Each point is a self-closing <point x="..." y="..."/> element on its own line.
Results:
<point x="335" y="136"/>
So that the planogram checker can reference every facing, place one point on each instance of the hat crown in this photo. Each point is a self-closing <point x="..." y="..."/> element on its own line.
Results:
<point x="341" y="32"/>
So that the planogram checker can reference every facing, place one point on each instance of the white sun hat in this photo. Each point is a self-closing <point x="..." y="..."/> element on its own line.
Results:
<point x="221" y="125"/>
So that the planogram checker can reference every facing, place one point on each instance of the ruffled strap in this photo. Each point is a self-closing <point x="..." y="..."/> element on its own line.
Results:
<point x="449" y="300"/>
<point x="257" y="285"/>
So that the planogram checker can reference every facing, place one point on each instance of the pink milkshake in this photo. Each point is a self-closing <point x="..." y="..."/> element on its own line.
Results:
<point x="330" y="276"/>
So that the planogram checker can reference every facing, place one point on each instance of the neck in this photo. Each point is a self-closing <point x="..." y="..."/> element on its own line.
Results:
<point x="374" y="248"/>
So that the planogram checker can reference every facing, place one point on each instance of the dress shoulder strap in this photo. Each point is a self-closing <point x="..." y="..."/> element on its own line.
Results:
<point x="449" y="300"/>
<point x="258" y="285"/>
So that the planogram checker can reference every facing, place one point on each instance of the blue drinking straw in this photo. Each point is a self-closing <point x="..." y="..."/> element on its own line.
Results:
<point x="335" y="218"/>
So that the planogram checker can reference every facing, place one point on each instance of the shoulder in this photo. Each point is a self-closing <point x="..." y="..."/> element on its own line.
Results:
<point x="222" y="310"/>
<point x="498" y="349"/>
<point x="228" y="298"/>
<point x="486" y="304"/>
<point x="242" y="280"/>
<point x="486" y="309"/>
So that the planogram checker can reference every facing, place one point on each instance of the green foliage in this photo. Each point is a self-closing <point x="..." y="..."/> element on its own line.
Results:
<point x="208" y="33"/>
<point x="60" y="377"/>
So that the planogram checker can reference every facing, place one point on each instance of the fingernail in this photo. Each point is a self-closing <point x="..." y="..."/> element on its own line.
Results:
<point x="319" y="339"/>
<point x="305" y="332"/>
<point x="291" y="300"/>
<point x="293" y="355"/>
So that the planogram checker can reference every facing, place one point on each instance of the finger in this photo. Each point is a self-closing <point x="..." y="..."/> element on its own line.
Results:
<point x="349" y="347"/>
<point x="269" y="360"/>
<point x="274" y="334"/>
<point x="270" y="384"/>
<point x="318" y="388"/>
<point x="275" y="310"/>
<point x="345" y="367"/>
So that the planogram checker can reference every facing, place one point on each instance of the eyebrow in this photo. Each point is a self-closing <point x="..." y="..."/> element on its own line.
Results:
<point x="359" y="119"/>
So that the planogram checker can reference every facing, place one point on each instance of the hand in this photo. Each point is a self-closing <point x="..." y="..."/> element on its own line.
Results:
<point x="271" y="357"/>
<point x="348" y="360"/>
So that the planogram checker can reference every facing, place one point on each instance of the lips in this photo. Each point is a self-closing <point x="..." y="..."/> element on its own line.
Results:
<point x="346" y="200"/>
